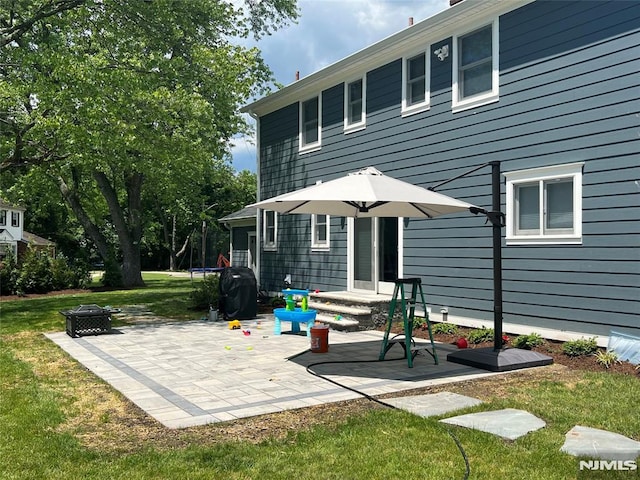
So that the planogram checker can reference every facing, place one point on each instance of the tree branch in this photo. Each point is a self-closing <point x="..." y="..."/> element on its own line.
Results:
<point x="12" y="32"/>
<point x="73" y="200"/>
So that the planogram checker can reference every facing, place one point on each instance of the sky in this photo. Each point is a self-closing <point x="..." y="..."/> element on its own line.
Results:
<point x="328" y="31"/>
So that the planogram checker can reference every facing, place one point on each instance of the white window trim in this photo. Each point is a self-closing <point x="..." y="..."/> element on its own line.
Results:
<point x="570" y="170"/>
<point x="361" y="125"/>
<point x="458" y="105"/>
<point x="315" y="246"/>
<point x="311" y="147"/>
<point x="272" y="247"/>
<point x="408" y="110"/>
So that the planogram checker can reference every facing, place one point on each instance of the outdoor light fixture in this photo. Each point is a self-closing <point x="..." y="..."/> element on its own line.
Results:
<point x="442" y="52"/>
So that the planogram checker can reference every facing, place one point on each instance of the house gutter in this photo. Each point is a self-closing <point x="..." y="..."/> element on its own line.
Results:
<point x="439" y="27"/>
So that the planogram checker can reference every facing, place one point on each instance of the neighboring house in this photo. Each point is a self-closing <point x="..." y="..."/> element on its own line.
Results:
<point x="242" y="237"/>
<point x="551" y="89"/>
<point x="12" y="235"/>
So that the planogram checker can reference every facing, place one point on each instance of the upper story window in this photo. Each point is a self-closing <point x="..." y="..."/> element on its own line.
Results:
<point x="320" y="232"/>
<point x="15" y="219"/>
<point x="270" y="229"/>
<point x="354" y="105"/>
<point x="3" y="217"/>
<point x="544" y="205"/>
<point x="310" y="124"/>
<point x="415" y="84"/>
<point x="475" y="73"/>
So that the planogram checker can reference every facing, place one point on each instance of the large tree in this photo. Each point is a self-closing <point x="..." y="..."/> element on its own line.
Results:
<point x="120" y="99"/>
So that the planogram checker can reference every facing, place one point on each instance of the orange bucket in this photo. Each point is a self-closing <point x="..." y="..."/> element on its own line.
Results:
<point x="320" y="338"/>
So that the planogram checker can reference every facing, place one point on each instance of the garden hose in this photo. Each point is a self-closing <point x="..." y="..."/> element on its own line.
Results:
<point x="381" y="402"/>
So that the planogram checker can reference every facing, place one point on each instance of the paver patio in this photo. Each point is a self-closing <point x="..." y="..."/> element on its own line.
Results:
<point x="197" y="372"/>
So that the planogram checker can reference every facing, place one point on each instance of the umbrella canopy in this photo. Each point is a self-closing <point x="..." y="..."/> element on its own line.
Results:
<point x="365" y="193"/>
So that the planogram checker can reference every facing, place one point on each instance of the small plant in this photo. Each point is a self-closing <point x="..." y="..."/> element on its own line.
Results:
<point x="527" y="342"/>
<point x="444" y="328"/>
<point x="480" y="335"/>
<point x="606" y="359"/>
<point x="278" y="302"/>
<point x="420" y="322"/>
<point x="205" y="293"/>
<point x="579" y="347"/>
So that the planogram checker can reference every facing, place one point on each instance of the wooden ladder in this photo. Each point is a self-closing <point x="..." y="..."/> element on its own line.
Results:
<point x="408" y="308"/>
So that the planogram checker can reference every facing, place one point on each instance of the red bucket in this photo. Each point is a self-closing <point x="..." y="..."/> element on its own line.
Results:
<point x="320" y="338"/>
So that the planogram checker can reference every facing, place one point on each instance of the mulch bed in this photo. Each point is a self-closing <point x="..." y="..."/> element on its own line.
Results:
<point x="550" y="348"/>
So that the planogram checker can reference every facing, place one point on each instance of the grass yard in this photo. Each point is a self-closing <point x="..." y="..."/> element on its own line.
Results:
<point x="57" y="420"/>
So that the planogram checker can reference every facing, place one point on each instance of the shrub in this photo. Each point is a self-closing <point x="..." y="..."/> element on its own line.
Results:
<point x="35" y="272"/>
<point x="579" y="347"/>
<point x="205" y="293"/>
<point x="527" y="342"/>
<point x="606" y="359"/>
<point x="444" y="328"/>
<point x="480" y="335"/>
<point x="40" y="273"/>
<point x="8" y="274"/>
<point x="112" y="276"/>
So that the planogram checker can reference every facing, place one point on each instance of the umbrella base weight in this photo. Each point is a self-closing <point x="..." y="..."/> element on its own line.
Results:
<point x="499" y="360"/>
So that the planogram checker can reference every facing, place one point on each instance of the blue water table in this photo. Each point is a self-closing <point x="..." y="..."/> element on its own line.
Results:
<point x="293" y="314"/>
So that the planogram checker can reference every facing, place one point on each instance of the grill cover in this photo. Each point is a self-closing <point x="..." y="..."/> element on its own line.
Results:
<point x="238" y="293"/>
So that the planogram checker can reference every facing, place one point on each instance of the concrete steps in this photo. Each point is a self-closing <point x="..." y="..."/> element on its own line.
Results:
<point x="350" y="311"/>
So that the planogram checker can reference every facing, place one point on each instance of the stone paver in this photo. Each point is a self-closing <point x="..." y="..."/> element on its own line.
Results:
<point x="508" y="423"/>
<point x="198" y="372"/>
<point x="433" y="404"/>
<point x="594" y="443"/>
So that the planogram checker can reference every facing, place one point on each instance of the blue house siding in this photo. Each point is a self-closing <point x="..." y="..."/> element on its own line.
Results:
<point x="569" y="92"/>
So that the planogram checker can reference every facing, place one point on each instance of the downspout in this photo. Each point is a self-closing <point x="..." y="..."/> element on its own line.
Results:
<point x="259" y="211"/>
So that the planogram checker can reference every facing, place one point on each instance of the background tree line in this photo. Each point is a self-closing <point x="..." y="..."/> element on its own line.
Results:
<point x="116" y="120"/>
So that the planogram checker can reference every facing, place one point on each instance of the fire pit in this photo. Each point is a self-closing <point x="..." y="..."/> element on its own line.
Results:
<point x="88" y="320"/>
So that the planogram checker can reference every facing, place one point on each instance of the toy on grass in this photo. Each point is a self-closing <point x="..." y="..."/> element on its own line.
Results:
<point x="235" y="325"/>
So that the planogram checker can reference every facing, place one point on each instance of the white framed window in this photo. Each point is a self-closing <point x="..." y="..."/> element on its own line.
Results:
<point x="355" y="100"/>
<point x="15" y="219"/>
<point x="270" y="229"/>
<point x="476" y="72"/>
<point x="320" y="232"/>
<point x="311" y="124"/>
<point x="3" y="217"/>
<point x="544" y="205"/>
<point x="415" y="84"/>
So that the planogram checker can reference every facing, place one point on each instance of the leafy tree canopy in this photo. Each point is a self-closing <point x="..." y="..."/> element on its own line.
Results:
<point x="120" y="99"/>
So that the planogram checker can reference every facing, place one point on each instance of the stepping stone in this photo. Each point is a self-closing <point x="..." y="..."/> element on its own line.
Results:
<point x="594" y="443"/>
<point x="433" y="404"/>
<point x="508" y="423"/>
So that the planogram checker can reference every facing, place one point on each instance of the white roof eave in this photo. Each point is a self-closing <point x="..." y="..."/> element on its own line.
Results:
<point x="431" y="30"/>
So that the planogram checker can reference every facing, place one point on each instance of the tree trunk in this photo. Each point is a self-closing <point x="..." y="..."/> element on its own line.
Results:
<point x="172" y="254"/>
<point x="129" y="228"/>
<point x="71" y="197"/>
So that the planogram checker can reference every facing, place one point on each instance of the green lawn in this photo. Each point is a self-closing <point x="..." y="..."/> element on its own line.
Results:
<point x="41" y="389"/>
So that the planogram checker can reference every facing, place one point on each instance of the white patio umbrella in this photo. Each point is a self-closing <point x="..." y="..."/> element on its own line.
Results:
<point x="370" y="193"/>
<point x="365" y="193"/>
